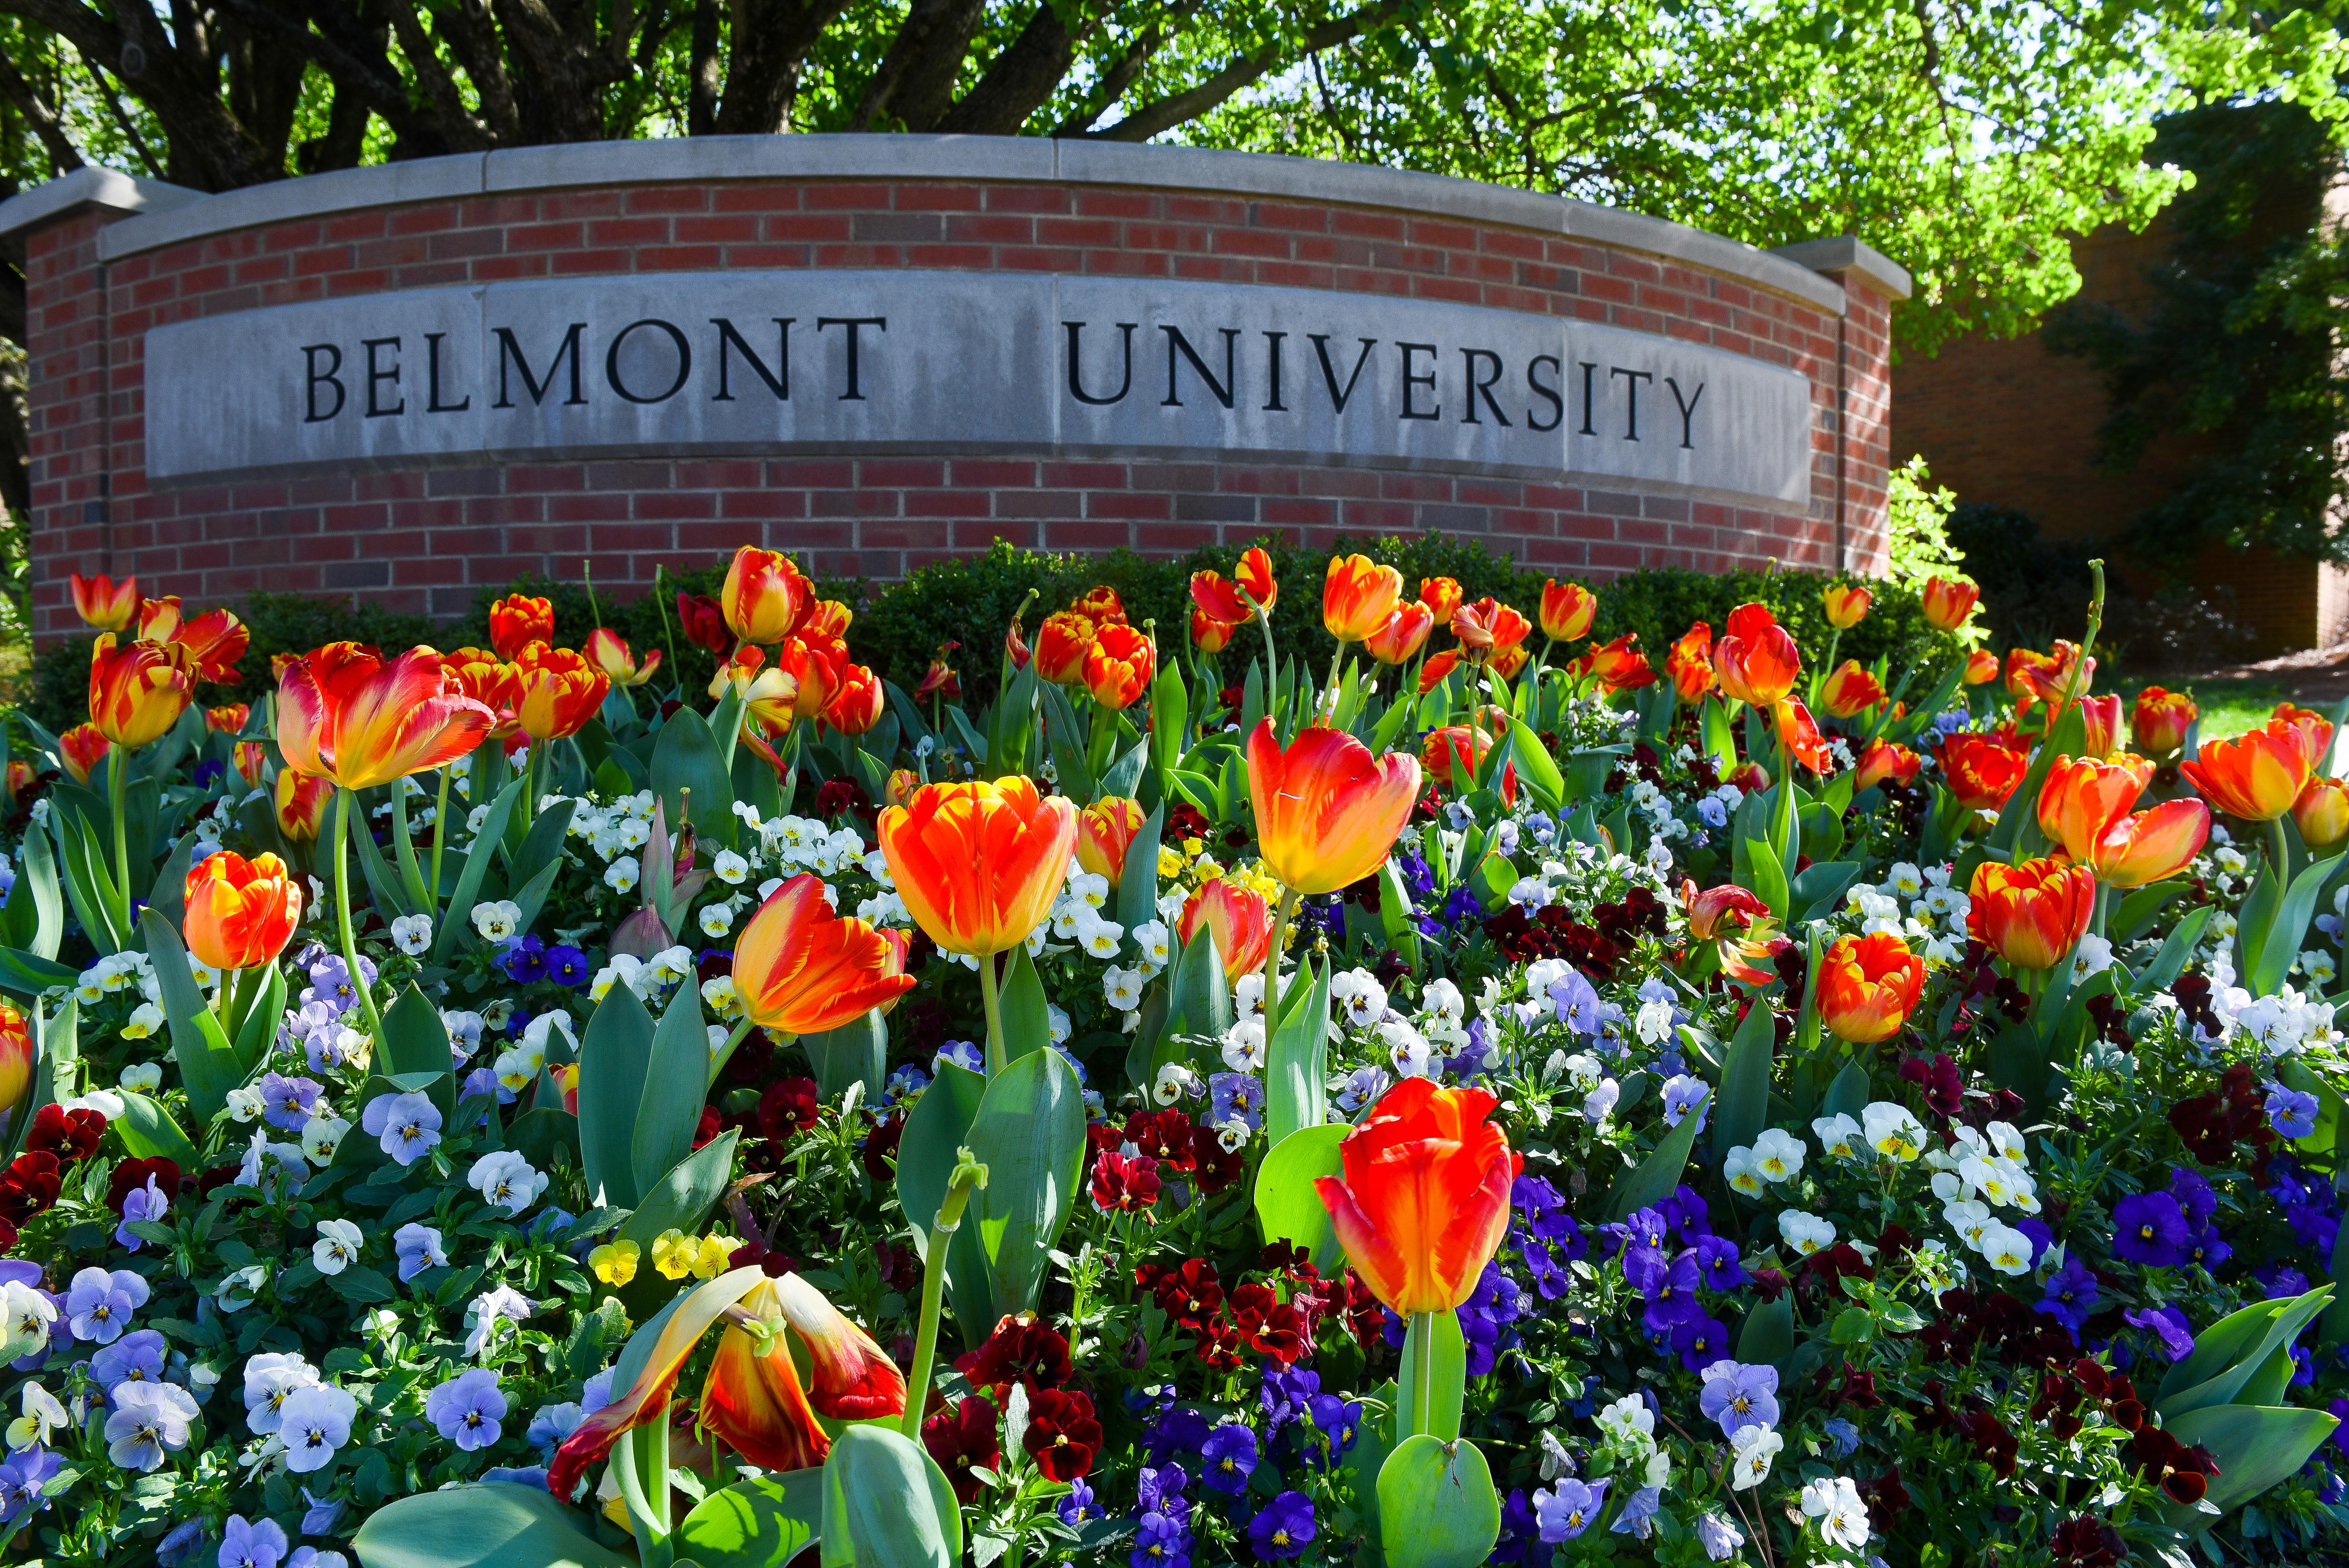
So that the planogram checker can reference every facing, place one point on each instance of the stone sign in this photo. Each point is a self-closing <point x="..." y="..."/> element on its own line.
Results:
<point x="940" y="362"/>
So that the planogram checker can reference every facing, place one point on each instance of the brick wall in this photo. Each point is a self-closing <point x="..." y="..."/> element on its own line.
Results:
<point x="427" y="540"/>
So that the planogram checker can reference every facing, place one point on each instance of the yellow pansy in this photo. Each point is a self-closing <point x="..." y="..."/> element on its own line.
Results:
<point x="615" y="1263"/>
<point x="674" y="1253"/>
<point x="710" y="1262"/>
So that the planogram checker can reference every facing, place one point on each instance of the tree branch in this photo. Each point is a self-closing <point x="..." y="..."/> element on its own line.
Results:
<point x="1017" y="80"/>
<point x="63" y="154"/>
<point x="1244" y="71"/>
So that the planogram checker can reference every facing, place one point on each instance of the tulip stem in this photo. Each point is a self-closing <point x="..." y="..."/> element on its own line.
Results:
<point x="1271" y="659"/>
<point x="343" y="912"/>
<point x="117" y="777"/>
<point x="967" y="1174"/>
<point x="410" y="871"/>
<point x="991" y="996"/>
<point x="439" y="836"/>
<point x="2280" y="852"/>
<point x="1329" y="693"/>
<point x="717" y="1062"/>
<point x="1280" y="913"/>
<point x="1423" y="1339"/>
<point x="1819" y="671"/>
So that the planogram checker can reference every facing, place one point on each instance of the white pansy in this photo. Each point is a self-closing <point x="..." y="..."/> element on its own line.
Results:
<point x="497" y="920"/>
<point x="141" y="1077"/>
<point x="1805" y="1233"/>
<point x="1751" y="1452"/>
<point x="1778" y="1155"/>
<point x="732" y="868"/>
<point x="1891" y="1132"/>
<point x="337" y="1246"/>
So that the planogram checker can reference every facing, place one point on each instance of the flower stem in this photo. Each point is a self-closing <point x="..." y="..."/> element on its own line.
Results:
<point x="1280" y="914"/>
<point x="999" y="1050"/>
<point x="2280" y="852"/>
<point x="1422" y="1336"/>
<point x="717" y="1062"/>
<point x="343" y="912"/>
<point x="967" y="1174"/>
<point x="439" y="836"/>
<point x="118" y="783"/>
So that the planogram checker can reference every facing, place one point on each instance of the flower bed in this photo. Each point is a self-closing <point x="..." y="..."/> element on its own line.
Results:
<point x="1491" y="1098"/>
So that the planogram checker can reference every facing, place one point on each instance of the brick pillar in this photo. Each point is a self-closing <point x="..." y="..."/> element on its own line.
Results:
<point x="68" y="378"/>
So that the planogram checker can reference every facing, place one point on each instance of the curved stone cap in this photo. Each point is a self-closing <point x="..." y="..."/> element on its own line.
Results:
<point x="181" y="216"/>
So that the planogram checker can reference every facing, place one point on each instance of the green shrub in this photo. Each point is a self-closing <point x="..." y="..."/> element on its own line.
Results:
<point x="2035" y="589"/>
<point x="970" y="601"/>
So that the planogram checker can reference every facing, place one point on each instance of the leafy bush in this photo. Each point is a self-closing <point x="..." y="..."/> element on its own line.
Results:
<point x="2035" y="589"/>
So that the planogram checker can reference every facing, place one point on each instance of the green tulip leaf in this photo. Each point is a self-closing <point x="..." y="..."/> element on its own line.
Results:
<point x="1437" y="1508"/>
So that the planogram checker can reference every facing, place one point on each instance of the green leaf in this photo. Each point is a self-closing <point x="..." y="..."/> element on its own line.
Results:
<point x="1537" y="767"/>
<point x="541" y="845"/>
<point x="2256" y="1447"/>
<point x="676" y="1077"/>
<point x="1137" y="880"/>
<point x="148" y="1132"/>
<point x="936" y="1130"/>
<point x="1124" y="775"/>
<point x="90" y="886"/>
<point x="1029" y="1133"/>
<point x="857" y="1052"/>
<point x="613" y="1055"/>
<point x="1742" y="1106"/>
<point x="1201" y="994"/>
<point x="2171" y="962"/>
<point x="1768" y="1335"/>
<point x="1437" y="1508"/>
<point x="1766" y="877"/>
<point x="36" y="911"/>
<point x="2282" y="945"/>
<point x="1654" y="1180"/>
<point x="493" y="1526"/>
<point x="755" y="1523"/>
<point x="1850" y="1093"/>
<point x="452" y="922"/>
<point x="687" y="761"/>
<point x="681" y="1201"/>
<point x="2138" y="909"/>
<point x="391" y="899"/>
<point x="414" y="1039"/>
<point x="1288" y="1207"/>
<point x="2231" y="1351"/>
<point x="28" y="974"/>
<point x="887" y="1504"/>
<point x="1297" y="1062"/>
<point x="207" y="1064"/>
<point x="1447" y="1376"/>
<point x="1818" y="886"/>
<point x="1027" y="1022"/>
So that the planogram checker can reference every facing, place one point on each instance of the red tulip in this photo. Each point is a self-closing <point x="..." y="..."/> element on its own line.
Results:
<point x="1424" y="1201"/>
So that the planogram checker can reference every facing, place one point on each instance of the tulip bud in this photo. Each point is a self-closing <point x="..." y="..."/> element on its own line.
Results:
<point x="2160" y="721"/>
<point x="1213" y="636"/>
<point x="302" y="801"/>
<point x="102" y="602"/>
<point x="517" y="621"/>
<point x="1567" y="610"/>
<point x="1104" y="830"/>
<point x="1240" y="919"/>
<point x="1402" y="634"/>
<point x="1867" y="986"/>
<point x="2322" y="812"/>
<point x="765" y="598"/>
<point x="1982" y="667"/>
<point x="1118" y="667"/>
<point x="1442" y="595"/>
<point x="1061" y="644"/>
<point x="1358" y="595"/>
<point x="1947" y="601"/>
<point x="1847" y="604"/>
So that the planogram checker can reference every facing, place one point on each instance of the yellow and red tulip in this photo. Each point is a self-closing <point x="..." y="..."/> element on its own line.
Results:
<point x="2031" y="913"/>
<point x="1487" y="627"/>
<point x="1850" y="691"/>
<point x="1798" y="732"/>
<point x="137" y="690"/>
<point x="1438" y="666"/>
<point x="558" y="691"/>
<point x="346" y="714"/>
<point x="1847" y="604"/>
<point x="1451" y="755"/>
<point x="2314" y="726"/>
<point x="1947" y="601"/>
<point x="1061" y="644"/>
<point x="802" y="969"/>
<point x="1238" y="598"/>
<point x="1442" y="595"/>
<point x="1240" y="919"/>
<point x="228" y="718"/>
<point x="240" y="913"/>
<point x="857" y="702"/>
<point x="2082" y="799"/>
<point x="517" y="621"/>
<point x="1118" y="666"/>
<point x="81" y="750"/>
<point x="609" y="652"/>
<point x="1567" y="610"/>
<point x="1739" y="927"/>
<point x="1616" y="666"/>
<point x="1327" y="811"/>
<point x="765" y="598"/>
<point x="103" y="602"/>
<point x="2160" y="721"/>
<point x="1981" y="770"/>
<point x="251" y="760"/>
<point x="829" y="620"/>
<point x="1867" y="986"/>
<point x="1358" y="595"/>
<point x="1213" y="636"/>
<point x="491" y="681"/>
<point x="1105" y="831"/>
<point x="1423" y="1200"/>
<point x="1102" y="606"/>
<point x="980" y="864"/>
<point x="1885" y="759"/>
<point x="1402" y="634"/>
<point x="1982" y="667"/>
<point x="2322" y="812"/>
<point x="817" y="665"/>
<point x="2100" y="722"/>
<point x="1689" y="664"/>
<point x="15" y="1055"/>
<point x="2256" y="776"/>
<point x="2151" y="845"/>
<point x="301" y="802"/>
<point x="1756" y="660"/>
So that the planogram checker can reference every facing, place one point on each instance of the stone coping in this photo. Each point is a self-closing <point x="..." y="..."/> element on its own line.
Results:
<point x="169" y="215"/>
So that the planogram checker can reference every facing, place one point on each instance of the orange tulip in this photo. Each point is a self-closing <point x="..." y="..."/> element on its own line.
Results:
<point x="517" y="621"/>
<point x="610" y="653"/>
<point x="1015" y="642"/>
<point x="559" y="692"/>
<point x="765" y="598"/>
<point x="1867" y="986"/>
<point x="1982" y="667"/>
<point x="1756" y="660"/>
<point x="1886" y="760"/>
<point x="1507" y="662"/>
<point x="103" y="602"/>
<point x="1442" y="595"/>
<point x="830" y="620"/>
<point x="2050" y="677"/>
<point x="228" y="718"/>
<point x="16" y="1056"/>
<point x="1798" y="732"/>
<point x="2021" y="664"/>
<point x="980" y="864"/>
<point x="1616" y="666"/>
<point x="1213" y="636"/>
<point x="2151" y="845"/>
<point x="770" y="696"/>
<point x="1240" y="919"/>
<point x="857" y="703"/>
<point x="1566" y="611"/>
<point x="1237" y="599"/>
<point x="1947" y="601"/>
<point x="491" y="681"/>
<point x="1487" y="627"/>
<point x="1850" y="691"/>
<point x="1358" y="595"/>
<point x="940" y="682"/>
<point x="251" y="760"/>
<point x="345" y="713"/>
<point x="800" y="969"/>
<point x="1105" y="831"/>
<point x="1980" y="771"/>
<point x="1423" y="1199"/>
<point x="2310" y="723"/>
<point x="300" y="803"/>
<point x="1847" y="604"/>
<point x="137" y="690"/>
<point x="240" y="913"/>
<point x="1690" y="664"/>
<point x="1451" y="756"/>
<point x="160" y="619"/>
<point x="818" y="665"/>
<point x="2256" y="776"/>
<point x="213" y="641"/>
<point x="1327" y="811"/>
<point x="2031" y="914"/>
<point x="1438" y="666"/>
<point x="2100" y="718"/>
<point x="1061" y="644"/>
<point x="2160" y="721"/>
<point x="1118" y="665"/>
<point x="755" y="1404"/>
<point x="1102" y="606"/>
<point x="2322" y="812"/>
<point x="2082" y="798"/>
<point x="1402" y="634"/>
<point x="81" y="750"/>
